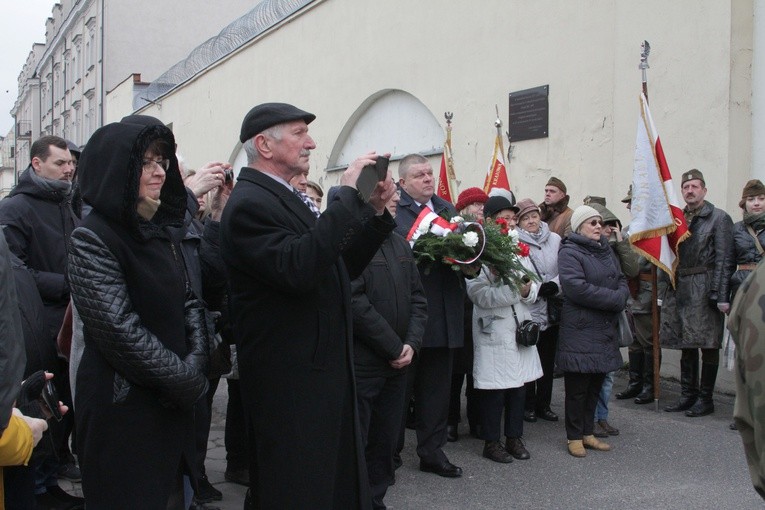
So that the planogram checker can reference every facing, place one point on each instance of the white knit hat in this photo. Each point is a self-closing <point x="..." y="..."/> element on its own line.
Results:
<point x="582" y="213"/>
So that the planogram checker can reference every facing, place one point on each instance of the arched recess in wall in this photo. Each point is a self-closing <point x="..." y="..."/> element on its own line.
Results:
<point x="392" y="121"/>
<point x="387" y="121"/>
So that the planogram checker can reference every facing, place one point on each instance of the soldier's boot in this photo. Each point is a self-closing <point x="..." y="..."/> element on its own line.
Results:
<point x="646" y="395"/>
<point x="705" y="405"/>
<point x="689" y="381"/>
<point x="636" y="376"/>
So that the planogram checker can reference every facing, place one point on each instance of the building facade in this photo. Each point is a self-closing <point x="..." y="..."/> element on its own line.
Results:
<point x="93" y="45"/>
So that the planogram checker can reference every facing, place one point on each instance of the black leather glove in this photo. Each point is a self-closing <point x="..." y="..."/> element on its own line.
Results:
<point x="548" y="289"/>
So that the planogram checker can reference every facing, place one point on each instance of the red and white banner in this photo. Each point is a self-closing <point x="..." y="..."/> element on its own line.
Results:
<point x="658" y="225"/>
<point x="446" y="176"/>
<point x="429" y="221"/>
<point x="497" y="174"/>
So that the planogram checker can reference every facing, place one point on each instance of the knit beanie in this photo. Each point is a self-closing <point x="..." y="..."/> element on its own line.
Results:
<point x="582" y="213"/>
<point x="554" y="181"/>
<point x="471" y="196"/>
<point x="526" y="205"/>
<point x="752" y="189"/>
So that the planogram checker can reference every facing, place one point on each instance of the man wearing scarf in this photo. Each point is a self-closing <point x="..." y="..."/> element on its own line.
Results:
<point x="37" y="220"/>
<point x="554" y="210"/>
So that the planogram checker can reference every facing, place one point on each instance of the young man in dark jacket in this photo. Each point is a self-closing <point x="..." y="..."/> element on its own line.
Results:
<point x="389" y="316"/>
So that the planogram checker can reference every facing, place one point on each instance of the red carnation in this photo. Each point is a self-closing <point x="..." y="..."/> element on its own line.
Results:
<point x="523" y="249"/>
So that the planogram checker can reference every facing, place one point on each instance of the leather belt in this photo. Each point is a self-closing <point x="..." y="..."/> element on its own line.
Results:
<point x="687" y="271"/>
<point x="746" y="267"/>
<point x="645" y="277"/>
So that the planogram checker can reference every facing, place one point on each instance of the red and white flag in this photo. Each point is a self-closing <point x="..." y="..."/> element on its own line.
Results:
<point x="446" y="176"/>
<point x="497" y="174"/>
<point x="658" y="225"/>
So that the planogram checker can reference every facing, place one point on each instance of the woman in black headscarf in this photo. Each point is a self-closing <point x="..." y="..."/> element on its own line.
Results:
<point x="142" y="368"/>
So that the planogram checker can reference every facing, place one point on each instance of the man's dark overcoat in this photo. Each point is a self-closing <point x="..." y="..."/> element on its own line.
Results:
<point x="689" y="315"/>
<point x="291" y="310"/>
<point x="444" y="287"/>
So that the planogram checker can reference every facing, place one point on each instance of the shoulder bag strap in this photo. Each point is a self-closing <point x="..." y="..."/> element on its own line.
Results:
<point x="756" y="240"/>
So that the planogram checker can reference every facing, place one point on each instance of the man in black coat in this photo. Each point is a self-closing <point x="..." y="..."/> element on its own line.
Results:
<point x="291" y="309"/>
<point x="389" y="316"/>
<point x="430" y="374"/>
<point x="37" y="220"/>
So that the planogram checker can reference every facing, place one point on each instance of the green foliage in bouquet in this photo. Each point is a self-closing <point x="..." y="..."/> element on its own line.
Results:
<point x="503" y="253"/>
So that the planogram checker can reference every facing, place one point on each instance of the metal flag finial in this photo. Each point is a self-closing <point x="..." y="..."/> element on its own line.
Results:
<point x="644" y="55"/>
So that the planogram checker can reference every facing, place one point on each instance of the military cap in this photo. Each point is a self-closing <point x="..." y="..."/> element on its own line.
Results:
<point x="628" y="198"/>
<point x="691" y="175"/>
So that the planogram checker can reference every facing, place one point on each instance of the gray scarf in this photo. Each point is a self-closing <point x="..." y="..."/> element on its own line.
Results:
<point x="54" y="186"/>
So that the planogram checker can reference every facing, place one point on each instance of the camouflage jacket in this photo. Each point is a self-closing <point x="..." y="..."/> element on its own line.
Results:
<point x="748" y="331"/>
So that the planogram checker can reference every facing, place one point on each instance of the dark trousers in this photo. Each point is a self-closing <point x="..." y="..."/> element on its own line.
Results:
<point x="202" y="419"/>
<point x="455" y="401"/>
<point x="582" y="392"/>
<point x="539" y="392"/>
<point x="381" y="409"/>
<point x="491" y="403"/>
<point x="235" y="438"/>
<point x="429" y="380"/>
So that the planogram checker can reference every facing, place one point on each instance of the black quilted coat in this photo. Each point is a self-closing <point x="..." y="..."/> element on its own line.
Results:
<point x="140" y="373"/>
<point x="595" y="291"/>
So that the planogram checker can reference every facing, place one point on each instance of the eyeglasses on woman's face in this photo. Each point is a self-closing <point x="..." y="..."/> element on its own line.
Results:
<point x="149" y="165"/>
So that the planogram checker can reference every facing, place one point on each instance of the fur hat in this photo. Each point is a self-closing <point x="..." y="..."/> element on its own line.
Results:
<point x="751" y="189"/>
<point x="554" y="181"/>
<point x="470" y="196"/>
<point x="582" y="213"/>
<point x="526" y="205"/>
<point x="502" y="192"/>
<point x="496" y="204"/>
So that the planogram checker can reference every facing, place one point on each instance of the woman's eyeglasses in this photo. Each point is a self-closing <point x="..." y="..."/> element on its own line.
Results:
<point x="148" y="164"/>
<point x="594" y="223"/>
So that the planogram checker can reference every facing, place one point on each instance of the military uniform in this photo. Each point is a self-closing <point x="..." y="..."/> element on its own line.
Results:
<point x="748" y="331"/>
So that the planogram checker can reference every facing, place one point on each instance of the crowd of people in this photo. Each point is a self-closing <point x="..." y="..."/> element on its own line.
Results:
<point x="132" y="286"/>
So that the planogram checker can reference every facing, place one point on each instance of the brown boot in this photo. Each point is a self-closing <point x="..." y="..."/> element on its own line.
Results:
<point x="594" y="443"/>
<point x="576" y="448"/>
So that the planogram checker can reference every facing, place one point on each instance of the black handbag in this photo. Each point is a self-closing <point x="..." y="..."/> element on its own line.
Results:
<point x="526" y="332"/>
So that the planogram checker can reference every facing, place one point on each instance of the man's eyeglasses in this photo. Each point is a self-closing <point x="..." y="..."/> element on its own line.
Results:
<point x="148" y="164"/>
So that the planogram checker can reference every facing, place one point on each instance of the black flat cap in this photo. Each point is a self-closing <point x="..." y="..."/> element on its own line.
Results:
<point x="496" y="204"/>
<point x="266" y="115"/>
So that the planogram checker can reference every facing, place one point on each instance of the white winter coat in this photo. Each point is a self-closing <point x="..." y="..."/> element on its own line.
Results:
<point x="498" y="361"/>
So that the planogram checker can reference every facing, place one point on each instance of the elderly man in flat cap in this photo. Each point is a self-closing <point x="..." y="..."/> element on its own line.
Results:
<point x="290" y="273"/>
<point x="693" y="312"/>
<point x="554" y="208"/>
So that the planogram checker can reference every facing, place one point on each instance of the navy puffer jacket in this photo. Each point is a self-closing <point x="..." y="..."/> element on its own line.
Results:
<point x="595" y="291"/>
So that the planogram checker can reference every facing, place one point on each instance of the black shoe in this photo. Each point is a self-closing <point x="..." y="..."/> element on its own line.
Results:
<point x="529" y="416"/>
<point x="700" y="408"/>
<point x="547" y="414"/>
<point x="58" y="498"/>
<point x="445" y="469"/>
<point x="683" y="404"/>
<point x="611" y="431"/>
<point x="451" y="433"/>
<point x="646" y="396"/>
<point x="237" y="476"/>
<point x="70" y="471"/>
<point x="206" y="492"/>
<point x="493" y="450"/>
<point x="198" y="505"/>
<point x="516" y="448"/>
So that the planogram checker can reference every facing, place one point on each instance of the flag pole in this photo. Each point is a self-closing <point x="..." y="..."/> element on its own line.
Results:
<point x="655" y="318"/>
<point x="498" y="125"/>
<point x="450" y="175"/>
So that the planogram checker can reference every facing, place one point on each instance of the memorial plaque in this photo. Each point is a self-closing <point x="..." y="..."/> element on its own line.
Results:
<point x="529" y="111"/>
